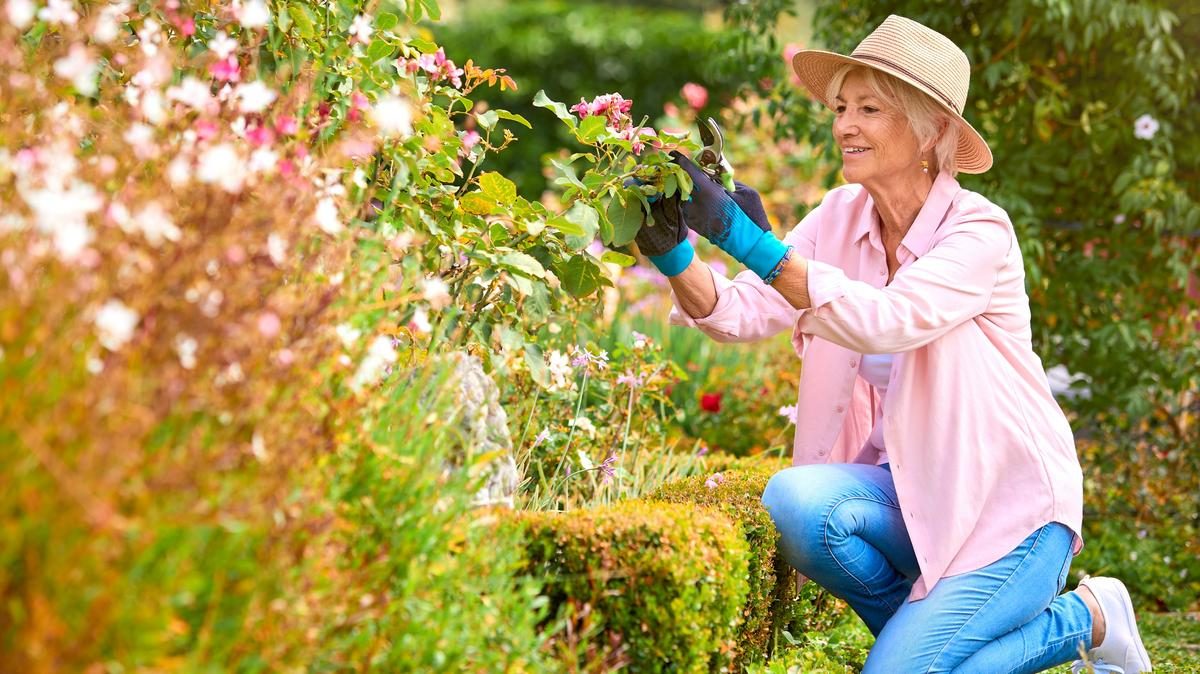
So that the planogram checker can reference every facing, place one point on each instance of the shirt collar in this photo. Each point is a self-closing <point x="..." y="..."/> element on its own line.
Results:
<point x="930" y="217"/>
<point x="933" y="212"/>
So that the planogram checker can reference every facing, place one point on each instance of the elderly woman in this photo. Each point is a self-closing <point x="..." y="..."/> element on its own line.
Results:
<point x="935" y="485"/>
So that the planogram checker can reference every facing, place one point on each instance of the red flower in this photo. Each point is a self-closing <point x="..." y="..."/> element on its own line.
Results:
<point x="710" y="402"/>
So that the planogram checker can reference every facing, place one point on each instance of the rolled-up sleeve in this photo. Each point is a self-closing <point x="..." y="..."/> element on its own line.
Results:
<point x="747" y="309"/>
<point x="950" y="284"/>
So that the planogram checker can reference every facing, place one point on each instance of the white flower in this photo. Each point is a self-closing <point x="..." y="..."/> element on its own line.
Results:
<point x="263" y="160"/>
<point x="253" y="14"/>
<point x="185" y="346"/>
<point x="436" y="292"/>
<point x="222" y="45"/>
<point x="327" y="217"/>
<point x="154" y="224"/>
<point x="276" y="248"/>
<point x="1145" y="127"/>
<point x="561" y="372"/>
<point x="360" y="28"/>
<point x="585" y="462"/>
<point x="254" y="96"/>
<point x="149" y="35"/>
<point x="62" y="214"/>
<point x="420" y="321"/>
<point x="108" y="25"/>
<point x="152" y="107"/>
<point x="80" y="68"/>
<point x="141" y="137"/>
<point x="20" y="12"/>
<point x="348" y="334"/>
<point x="380" y="354"/>
<point x="392" y="115"/>
<point x="788" y="411"/>
<point x="221" y="164"/>
<point x="179" y="171"/>
<point x="59" y="11"/>
<point x="584" y="424"/>
<point x="1062" y="383"/>
<point x="192" y="93"/>
<point x="115" y="323"/>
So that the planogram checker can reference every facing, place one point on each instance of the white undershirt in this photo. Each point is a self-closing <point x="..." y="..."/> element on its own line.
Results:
<point x="876" y="370"/>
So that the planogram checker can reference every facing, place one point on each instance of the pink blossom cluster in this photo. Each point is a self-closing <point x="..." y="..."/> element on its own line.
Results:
<point x="436" y="65"/>
<point x="616" y="108"/>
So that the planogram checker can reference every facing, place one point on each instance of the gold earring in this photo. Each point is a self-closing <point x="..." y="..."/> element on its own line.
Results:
<point x="924" y="166"/>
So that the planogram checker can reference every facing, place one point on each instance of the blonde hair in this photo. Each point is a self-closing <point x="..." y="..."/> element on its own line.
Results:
<point x="925" y="117"/>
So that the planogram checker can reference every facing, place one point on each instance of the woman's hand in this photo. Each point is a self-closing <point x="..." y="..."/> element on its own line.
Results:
<point x="736" y="223"/>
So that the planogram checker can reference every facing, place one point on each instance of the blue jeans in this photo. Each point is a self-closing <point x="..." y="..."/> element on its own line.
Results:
<point x="840" y="525"/>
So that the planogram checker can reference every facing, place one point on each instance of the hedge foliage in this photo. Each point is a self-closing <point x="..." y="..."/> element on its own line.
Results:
<point x="663" y="584"/>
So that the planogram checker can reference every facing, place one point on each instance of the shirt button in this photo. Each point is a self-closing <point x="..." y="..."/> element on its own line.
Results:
<point x="883" y="272"/>
<point x="853" y="362"/>
<point x="839" y="409"/>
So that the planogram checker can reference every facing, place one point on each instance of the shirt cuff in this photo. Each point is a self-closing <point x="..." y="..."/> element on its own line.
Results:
<point x="826" y="283"/>
<point x="721" y="320"/>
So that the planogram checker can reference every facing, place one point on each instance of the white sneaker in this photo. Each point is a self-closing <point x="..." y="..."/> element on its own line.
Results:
<point x="1121" y="651"/>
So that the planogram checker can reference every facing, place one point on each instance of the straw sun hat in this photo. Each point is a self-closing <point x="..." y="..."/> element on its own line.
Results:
<point x="917" y="55"/>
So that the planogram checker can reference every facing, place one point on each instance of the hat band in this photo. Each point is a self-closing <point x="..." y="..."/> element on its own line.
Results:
<point x="905" y="71"/>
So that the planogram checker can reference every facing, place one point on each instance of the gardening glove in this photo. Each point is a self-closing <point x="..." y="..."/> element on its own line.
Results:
<point x="736" y="223"/>
<point x="664" y="241"/>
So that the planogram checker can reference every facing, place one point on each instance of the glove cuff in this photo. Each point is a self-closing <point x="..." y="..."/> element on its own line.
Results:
<point x="747" y="243"/>
<point x="674" y="261"/>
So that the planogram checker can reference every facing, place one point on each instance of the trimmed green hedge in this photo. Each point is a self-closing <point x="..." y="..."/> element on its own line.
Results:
<point x="687" y="579"/>
<point x="663" y="584"/>
<point x="773" y="604"/>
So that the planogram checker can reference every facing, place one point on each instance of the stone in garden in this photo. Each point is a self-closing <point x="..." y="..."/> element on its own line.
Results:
<point x="483" y="425"/>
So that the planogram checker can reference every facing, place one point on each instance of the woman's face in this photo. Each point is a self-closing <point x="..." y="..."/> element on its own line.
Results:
<point x="878" y="145"/>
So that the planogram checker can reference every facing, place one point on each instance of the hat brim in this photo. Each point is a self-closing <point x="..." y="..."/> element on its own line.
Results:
<point x="815" y="69"/>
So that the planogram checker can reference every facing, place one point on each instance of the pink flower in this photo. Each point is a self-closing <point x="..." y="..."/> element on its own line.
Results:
<point x="260" y="135"/>
<point x="269" y="324"/>
<point x="360" y="28"/>
<point x="286" y="125"/>
<point x="470" y="139"/>
<point x="226" y="70"/>
<point x="715" y="480"/>
<point x="789" y="51"/>
<point x="636" y="136"/>
<point x="439" y="67"/>
<point x="358" y="103"/>
<point x="205" y="129"/>
<point x="695" y="95"/>
<point x="187" y="27"/>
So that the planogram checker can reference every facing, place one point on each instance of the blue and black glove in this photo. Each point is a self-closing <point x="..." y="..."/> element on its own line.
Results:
<point x="665" y="242"/>
<point x="735" y="222"/>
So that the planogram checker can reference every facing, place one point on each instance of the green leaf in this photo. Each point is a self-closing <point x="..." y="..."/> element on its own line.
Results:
<point x="585" y="217"/>
<point x="386" y="21"/>
<point x="618" y="258"/>
<point x="591" y="128"/>
<point x="379" y="50"/>
<point x="432" y="9"/>
<point x="488" y="119"/>
<point x="670" y="184"/>
<point x="535" y="360"/>
<point x="512" y="116"/>
<point x="499" y="188"/>
<point x="477" y="203"/>
<point x="520" y="262"/>
<point x="626" y="218"/>
<point x="579" y="276"/>
<point x="541" y="100"/>
<point x="425" y="46"/>
<point x="283" y="21"/>
<point x="303" y="20"/>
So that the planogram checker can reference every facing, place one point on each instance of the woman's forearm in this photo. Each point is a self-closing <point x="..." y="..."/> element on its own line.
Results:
<point x="793" y="283"/>
<point x="695" y="289"/>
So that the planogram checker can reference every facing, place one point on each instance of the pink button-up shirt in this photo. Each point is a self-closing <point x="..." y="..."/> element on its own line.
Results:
<point x="980" y="452"/>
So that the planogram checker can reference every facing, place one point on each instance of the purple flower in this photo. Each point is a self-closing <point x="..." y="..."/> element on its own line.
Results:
<point x="631" y="379"/>
<point x="703" y="449"/>
<point x="608" y="468"/>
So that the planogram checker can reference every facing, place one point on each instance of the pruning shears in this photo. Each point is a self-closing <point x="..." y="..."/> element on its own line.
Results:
<point x="711" y="159"/>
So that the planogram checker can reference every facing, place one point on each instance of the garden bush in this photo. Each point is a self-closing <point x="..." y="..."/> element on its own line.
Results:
<point x="772" y="603"/>
<point x="649" y="586"/>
